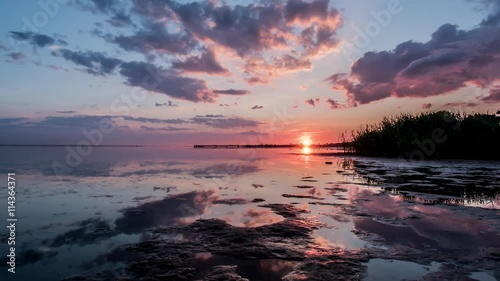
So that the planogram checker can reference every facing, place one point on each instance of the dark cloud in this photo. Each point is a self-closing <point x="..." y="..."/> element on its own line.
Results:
<point x="212" y="116"/>
<point x="36" y="39"/>
<point x="426" y="105"/>
<point x="160" y="80"/>
<point x="95" y="63"/>
<point x="204" y="63"/>
<point x="11" y="121"/>
<point x="494" y="96"/>
<point x="154" y="120"/>
<point x="450" y="60"/>
<point x="288" y="62"/>
<point x="312" y="102"/>
<point x="257" y="107"/>
<point x="3" y="47"/>
<point x="232" y="92"/>
<point x="257" y="80"/>
<point x="168" y="128"/>
<point x="77" y="121"/>
<point x="334" y="104"/>
<point x="254" y="133"/>
<point x="156" y="38"/>
<point x="462" y="104"/>
<point x="169" y="103"/>
<point x="16" y="56"/>
<point x="66" y="111"/>
<point x="493" y="18"/>
<point x="120" y="20"/>
<point x="103" y="6"/>
<point x="225" y="123"/>
<point x="250" y="31"/>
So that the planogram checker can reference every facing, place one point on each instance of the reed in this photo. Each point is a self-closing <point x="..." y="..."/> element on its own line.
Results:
<point x="461" y="135"/>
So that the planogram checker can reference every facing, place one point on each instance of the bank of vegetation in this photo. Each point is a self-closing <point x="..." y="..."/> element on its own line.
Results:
<point x="430" y="135"/>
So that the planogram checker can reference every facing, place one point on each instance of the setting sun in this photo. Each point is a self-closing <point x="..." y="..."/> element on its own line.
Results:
<point x="306" y="141"/>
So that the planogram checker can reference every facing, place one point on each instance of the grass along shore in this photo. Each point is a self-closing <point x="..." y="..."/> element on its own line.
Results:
<point x="430" y="135"/>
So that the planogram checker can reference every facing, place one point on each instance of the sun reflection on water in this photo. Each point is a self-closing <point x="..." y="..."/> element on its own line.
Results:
<point x="306" y="150"/>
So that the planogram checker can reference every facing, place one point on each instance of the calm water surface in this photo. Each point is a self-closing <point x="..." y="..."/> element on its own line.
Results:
<point x="70" y="223"/>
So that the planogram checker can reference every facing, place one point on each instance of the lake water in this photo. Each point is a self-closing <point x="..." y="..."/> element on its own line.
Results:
<point x="379" y="219"/>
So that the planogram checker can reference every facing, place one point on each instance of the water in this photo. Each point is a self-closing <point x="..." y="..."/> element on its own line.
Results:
<point x="432" y="216"/>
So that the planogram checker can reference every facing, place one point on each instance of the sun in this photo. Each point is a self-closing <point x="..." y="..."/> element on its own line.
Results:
<point x="306" y="142"/>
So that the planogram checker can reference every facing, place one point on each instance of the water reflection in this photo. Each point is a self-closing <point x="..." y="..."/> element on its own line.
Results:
<point x="306" y="150"/>
<point x="117" y="195"/>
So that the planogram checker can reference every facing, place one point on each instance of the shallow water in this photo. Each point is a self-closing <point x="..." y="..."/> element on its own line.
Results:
<point x="432" y="216"/>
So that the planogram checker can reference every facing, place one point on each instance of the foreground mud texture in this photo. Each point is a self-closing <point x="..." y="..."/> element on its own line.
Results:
<point x="175" y="253"/>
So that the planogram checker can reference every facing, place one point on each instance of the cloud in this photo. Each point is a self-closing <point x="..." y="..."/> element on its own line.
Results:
<point x="204" y="63"/>
<point x="254" y="133"/>
<point x="256" y="80"/>
<point x="289" y="62"/>
<point x="3" y="47"/>
<point x="77" y="121"/>
<point x="147" y="76"/>
<point x="232" y="92"/>
<point x="426" y="105"/>
<point x="154" y="120"/>
<point x="11" y="121"/>
<point x="294" y="31"/>
<point x="120" y="20"/>
<point x="494" y="96"/>
<point x="156" y="38"/>
<point x="160" y="80"/>
<point x="462" y="104"/>
<point x="211" y="116"/>
<point x="95" y="63"/>
<point x="36" y="39"/>
<point x="168" y="128"/>
<point x="111" y="7"/>
<point x="257" y="107"/>
<point x="312" y="102"/>
<point x="169" y="103"/>
<point x="452" y="59"/>
<point x="16" y="56"/>
<point x="66" y="111"/>
<point x="334" y="104"/>
<point x="225" y="123"/>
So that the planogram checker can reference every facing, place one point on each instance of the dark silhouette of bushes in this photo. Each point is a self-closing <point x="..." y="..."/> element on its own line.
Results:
<point x="431" y="135"/>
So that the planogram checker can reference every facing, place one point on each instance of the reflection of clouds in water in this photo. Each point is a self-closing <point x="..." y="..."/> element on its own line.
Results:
<point x="87" y="232"/>
<point x="164" y="212"/>
<point x="384" y="206"/>
<point x="220" y="170"/>
<point x="440" y="227"/>
<point x="167" y="212"/>
<point x="453" y="229"/>
<point x="253" y="217"/>
<point x="355" y="192"/>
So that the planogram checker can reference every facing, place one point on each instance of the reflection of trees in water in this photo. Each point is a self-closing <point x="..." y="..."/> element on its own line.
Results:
<point x="470" y="200"/>
<point x="478" y="185"/>
<point x="354" y="166"/>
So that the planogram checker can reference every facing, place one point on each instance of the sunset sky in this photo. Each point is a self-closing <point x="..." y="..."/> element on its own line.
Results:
<point x="180" y="73"/>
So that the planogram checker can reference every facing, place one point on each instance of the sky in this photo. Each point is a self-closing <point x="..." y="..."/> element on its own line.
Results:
<point x="172" y="72"/>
